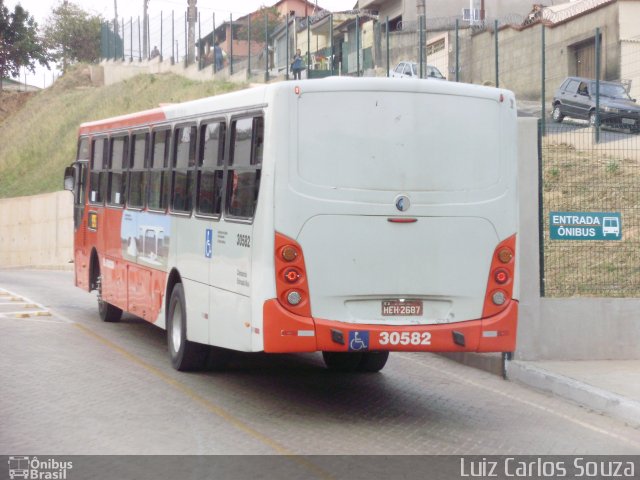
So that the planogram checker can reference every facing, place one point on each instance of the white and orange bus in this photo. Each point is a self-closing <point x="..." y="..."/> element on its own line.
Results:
<point x="349" y="216"/>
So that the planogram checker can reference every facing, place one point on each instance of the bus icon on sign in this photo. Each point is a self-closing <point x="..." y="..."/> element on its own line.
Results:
<point x="610" y="225"/>
<point x="18" y="467"/>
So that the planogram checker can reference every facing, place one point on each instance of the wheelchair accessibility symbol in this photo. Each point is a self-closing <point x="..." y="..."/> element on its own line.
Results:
<point x="208" y="243"/>
<point x="358" y="341"/>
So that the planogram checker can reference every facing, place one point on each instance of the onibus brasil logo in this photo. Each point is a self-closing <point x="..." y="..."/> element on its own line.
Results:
<point x="32" y="468"/>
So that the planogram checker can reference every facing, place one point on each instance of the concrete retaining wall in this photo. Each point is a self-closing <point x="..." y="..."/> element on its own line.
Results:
<point x="36" y="231"/>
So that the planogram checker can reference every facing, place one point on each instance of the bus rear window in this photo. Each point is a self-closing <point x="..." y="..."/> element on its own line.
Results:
<point x="412" y="141"/>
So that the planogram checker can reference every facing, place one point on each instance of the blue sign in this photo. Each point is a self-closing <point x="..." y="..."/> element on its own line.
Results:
<point x="208" y="243"/>
<point x="358" y="340"/>
<point x="585" y="225"/>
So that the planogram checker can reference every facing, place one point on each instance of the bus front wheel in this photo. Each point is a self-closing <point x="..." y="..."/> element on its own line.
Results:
<point x="107" y="312"/>
<point x="185" y="355"/>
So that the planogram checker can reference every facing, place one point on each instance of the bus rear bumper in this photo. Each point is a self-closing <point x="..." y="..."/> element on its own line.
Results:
<point x="285" y="332"/>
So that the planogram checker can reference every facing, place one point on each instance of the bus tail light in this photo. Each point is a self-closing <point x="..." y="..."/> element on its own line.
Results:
<point x="291" y="278"/>
<point x="501" y="275"/>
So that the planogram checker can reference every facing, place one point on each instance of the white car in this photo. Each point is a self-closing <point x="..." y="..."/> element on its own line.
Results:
<point x="406" y="69"/>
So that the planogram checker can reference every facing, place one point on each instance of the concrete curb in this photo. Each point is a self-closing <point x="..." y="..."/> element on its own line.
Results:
<point x="603" y="401"/>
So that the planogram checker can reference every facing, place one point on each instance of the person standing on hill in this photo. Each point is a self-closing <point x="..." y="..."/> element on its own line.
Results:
<point x="297" y="65"/>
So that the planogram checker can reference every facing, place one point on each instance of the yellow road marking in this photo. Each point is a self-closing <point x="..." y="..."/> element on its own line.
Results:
<point x="207" y="404"/>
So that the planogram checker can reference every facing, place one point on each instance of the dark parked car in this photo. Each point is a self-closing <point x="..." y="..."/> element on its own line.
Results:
<point x="576" y="98"/>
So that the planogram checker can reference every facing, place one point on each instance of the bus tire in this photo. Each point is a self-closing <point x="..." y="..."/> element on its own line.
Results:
<point x="342" y="361"/>
<point x="185" y="355"/>
<point x="107" y="312"/>
<point x="373" y="361"/>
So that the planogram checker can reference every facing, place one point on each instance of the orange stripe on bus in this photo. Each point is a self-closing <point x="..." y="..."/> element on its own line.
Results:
<point x="124" y="121"/>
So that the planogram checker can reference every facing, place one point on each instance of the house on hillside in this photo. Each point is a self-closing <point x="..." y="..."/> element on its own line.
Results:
<point x="570" y="47"/>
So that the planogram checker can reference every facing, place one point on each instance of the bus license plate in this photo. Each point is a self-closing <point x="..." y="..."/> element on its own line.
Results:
<point x="629" y="121"/>
<point x="397" y="308"/>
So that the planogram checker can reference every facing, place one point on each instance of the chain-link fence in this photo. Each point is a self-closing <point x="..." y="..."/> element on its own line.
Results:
<point x="577" y="69"/>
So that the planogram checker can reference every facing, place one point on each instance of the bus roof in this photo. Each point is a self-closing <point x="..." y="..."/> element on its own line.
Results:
<point x="257" y="96"/>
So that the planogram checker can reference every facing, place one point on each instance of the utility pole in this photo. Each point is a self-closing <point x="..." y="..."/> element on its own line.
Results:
<point x="192" y="15"/>
<point x="145" y="33"/>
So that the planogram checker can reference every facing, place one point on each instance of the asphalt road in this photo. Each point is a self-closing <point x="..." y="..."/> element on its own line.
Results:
<point x="71" y="384"/>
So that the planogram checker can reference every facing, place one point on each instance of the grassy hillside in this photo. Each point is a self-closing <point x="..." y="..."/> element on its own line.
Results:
<point x="39" y="140"/>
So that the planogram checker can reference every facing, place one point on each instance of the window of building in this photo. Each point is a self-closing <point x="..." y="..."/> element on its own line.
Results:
<point x="211" y="168"/>
<point x="138" y="174"/>
<point x="98" y="177"/>
<point x="245" y="163"/>
<point x="118" y="165"/>
<point x="184" y="163"/>
<point x="159" y="174"/>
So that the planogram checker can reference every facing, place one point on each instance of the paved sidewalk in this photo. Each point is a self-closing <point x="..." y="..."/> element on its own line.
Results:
<point x="611" y="387"/>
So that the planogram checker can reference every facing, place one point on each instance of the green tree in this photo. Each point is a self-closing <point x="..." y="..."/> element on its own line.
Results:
<point x="72" y="34"/>
<point x="20" y="45"/>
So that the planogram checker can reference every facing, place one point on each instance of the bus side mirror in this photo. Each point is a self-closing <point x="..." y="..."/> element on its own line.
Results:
<point x="69" y="178"/>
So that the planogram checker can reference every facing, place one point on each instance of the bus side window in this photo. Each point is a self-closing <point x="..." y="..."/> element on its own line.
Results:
<point x="138" y="174"/>
<point x="211" y="168"/>
<point x="159" y="183"/>
<point x="184" y="162"/>
<point x="243" y="181"/>
<point x="98" y="177"/>
<point x="117" y="169"/>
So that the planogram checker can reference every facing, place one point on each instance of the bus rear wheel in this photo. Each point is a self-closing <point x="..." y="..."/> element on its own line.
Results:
<point x="185" y="355"/>
<point x="342" y="361"/>
<point x="373" y="361"/>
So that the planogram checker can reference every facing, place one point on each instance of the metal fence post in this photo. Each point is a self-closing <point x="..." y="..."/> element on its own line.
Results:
<point x="161" y="35"/>
<point x="597" y="125"/>
<point x="457" y="50"/>
<point x="231" y="44"/>
<point x="308" y="45"/>
<point x="186" y="40"/>
<point x="332" y="55"/>
<point x="286" y="63"/>
<point x="139" y="41"/>
<point x="249" y="48"/>
<point x="266" y="46"/>
<point x="387" y="37"/>
<point x="200" y="62"/>
<point x="544" y="101"/>
<point x="131" y="39"/>
<point x="357" y="45"/>
<point x="173" y="40"/>
<point x="214" y="40"/>
<point x="123" y="54"/>
<point x="541" y="211"/>
<point x="421" y="46"/>
<point x="495" y="33"/>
